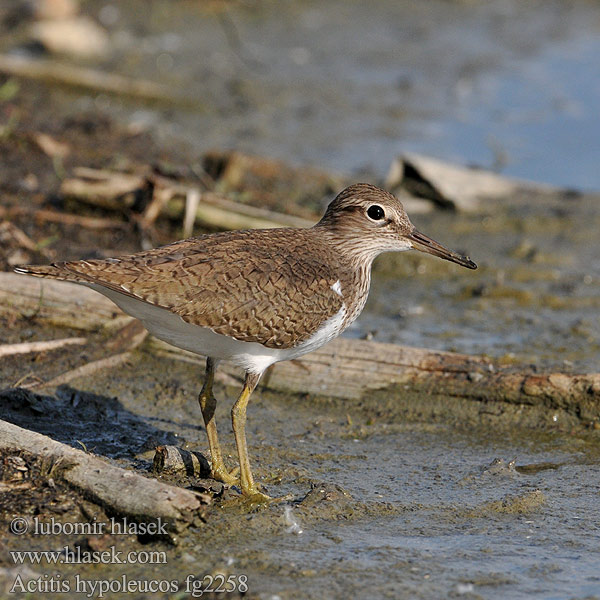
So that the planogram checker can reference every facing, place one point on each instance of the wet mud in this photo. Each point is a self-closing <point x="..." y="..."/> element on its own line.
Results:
<point x="393" y="498"/>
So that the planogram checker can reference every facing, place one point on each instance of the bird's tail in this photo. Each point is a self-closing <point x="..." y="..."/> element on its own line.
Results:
<point x="58" y="270"/>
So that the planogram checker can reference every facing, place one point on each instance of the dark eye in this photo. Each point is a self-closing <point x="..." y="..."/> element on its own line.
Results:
<point x="375" y="212"/>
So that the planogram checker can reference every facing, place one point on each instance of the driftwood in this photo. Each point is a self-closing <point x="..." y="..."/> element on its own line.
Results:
<point x="51" y="302"/>
<point x="115" y="190"/>
<point x="453" y="186"/>
<point x="352" y="369"/>
<point x="121" y="492"/>
<point x="347" y="368"/>
<point x="91" y="79"/>
<point x="32" y="347"/>
<point x="53" y="216"/>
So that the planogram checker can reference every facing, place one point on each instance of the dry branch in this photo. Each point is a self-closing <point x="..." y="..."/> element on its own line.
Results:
<point x="192" y="202"/>
<point x="29" y="347"/>
<point x="11" y="235"/>
<point x="92" y="79"/>
<point x="53" y="216"/>
<point x="111" y="190"/>
<point x="114" y="190"/>
<point x="348" y="368"/>
<point x="121" y="492"/>
<point x="267" y="218"/>
<point x="83" y="371"/>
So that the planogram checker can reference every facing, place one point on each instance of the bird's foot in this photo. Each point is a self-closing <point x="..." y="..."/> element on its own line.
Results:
<point x="252" y="495"/>
<point x="220" y="473"/>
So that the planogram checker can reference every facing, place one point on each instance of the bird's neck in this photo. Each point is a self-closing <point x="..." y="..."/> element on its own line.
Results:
<point x="353" y="250"/>
<point x="354" y="258"/>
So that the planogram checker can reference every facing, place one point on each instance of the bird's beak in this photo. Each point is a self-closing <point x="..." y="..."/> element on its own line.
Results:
<point x="425" y="244"/>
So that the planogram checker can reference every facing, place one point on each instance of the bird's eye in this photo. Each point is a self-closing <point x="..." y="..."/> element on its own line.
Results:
<point x="375" y="212"/>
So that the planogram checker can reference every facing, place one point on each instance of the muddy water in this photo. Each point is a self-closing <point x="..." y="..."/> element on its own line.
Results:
<point x="348" y="85"/>
<point x="535" y="297"/>
<point x="386" y="502"/>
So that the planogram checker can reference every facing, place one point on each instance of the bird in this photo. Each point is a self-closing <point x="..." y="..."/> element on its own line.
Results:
<point x="256" y="297"/>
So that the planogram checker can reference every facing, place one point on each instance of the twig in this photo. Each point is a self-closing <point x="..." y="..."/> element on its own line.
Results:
<point x="9" y="231"/>
<point x="107" y="189"/>
<point x="63" y="74"/>
<point x="53" y="216"/>
<point x="192" y="201"/>
<point x="106" y="192"/>
<point x="29" y="347"/>
<point x="160" y="198"/>
<point x="83" y="371"/>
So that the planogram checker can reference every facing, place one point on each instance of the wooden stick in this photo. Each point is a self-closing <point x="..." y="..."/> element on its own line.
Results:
<point x="107" y="192"/>
<point x="222" y="206"/>
<point x="160" y="198"/>
<point x="92" y="79"/>
<point x="121" y="492"/>
<point x="10" y="231"/>
<point x="29" y="347"/>
<point x="83" y="371"/>
<point x="53" y="216"/>
<point x="18" y="236"/>
<point x="107" y="189"/>
<point x="192" y="202"/>
<point x="347" y="368"/>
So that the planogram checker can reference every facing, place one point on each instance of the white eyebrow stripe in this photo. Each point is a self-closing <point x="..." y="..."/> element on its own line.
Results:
<point x="337" y="288"/>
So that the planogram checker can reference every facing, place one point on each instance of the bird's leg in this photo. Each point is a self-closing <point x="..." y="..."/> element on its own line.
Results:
<point x="208" y="404"/>
<point x="238" y="420"/>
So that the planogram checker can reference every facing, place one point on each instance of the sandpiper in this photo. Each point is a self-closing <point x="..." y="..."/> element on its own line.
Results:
<point x="256" y="297"/>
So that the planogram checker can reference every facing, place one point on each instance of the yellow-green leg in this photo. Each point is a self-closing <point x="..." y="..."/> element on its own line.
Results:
<point x="238" y="420"/>
<point x="208" y="404"/>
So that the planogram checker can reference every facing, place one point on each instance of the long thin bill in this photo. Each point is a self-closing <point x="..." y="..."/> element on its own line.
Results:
<point x="425" y="244"/>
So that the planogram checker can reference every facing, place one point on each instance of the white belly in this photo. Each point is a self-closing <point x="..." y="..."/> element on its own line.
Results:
<point x="251" y="356"/>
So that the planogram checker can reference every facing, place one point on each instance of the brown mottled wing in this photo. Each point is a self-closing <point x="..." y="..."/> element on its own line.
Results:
<point x="266" y="286"/>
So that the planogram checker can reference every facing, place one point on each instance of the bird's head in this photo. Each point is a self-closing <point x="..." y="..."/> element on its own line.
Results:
<point x="367" y="220"/>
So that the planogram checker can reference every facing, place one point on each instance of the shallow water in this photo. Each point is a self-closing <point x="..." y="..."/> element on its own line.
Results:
<point x="348" y="85"/>
<point x="438" y="509"/>
<point x="460" y="526"/>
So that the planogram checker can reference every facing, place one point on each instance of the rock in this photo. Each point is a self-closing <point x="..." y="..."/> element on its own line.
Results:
<point x="172" y="460"/>
<point x="452" y="186"/>
<point x="55" y="9"/>
<point x="78" y="36"/>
